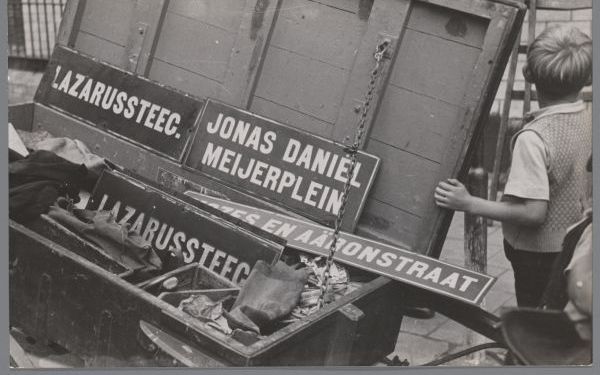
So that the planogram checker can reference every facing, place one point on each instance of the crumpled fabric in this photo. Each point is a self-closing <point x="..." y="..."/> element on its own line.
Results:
<point x="101" y="229"/>
<point x="269" y="294"/>
<point x="36" y="181"/>
<point x="34" y="137"/>
<point x="74" y="151"/>
<point x="206" y="310"/>
<point x="339" y="285"/>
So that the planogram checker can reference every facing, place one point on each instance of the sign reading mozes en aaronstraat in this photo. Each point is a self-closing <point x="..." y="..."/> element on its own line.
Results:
<point x="171" y="224"/>
<point x="280" y="164"/>
<point x="396" y="263"/>
<point x="127" y="105"/>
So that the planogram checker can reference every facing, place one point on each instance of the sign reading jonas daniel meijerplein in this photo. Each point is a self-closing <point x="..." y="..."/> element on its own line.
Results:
<point x="294" y="169"/>
<point x="130" y="106"/>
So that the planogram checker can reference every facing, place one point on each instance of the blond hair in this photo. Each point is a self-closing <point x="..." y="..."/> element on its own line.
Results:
<point x="559" y="61"/>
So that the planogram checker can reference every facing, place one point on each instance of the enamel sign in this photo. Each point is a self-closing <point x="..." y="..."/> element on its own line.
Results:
<point x="280" y="164"/>
<point x="144" y="112"/>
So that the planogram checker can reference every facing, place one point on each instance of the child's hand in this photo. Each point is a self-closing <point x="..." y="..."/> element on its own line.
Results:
<point x="453" y="195"/>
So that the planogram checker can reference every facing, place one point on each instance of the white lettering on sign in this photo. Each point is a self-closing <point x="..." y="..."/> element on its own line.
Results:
<point x="361" y="252"/>
<point x="321" y="161"/>
<point x="143" y="112"/>
<point x="165" y="237"/>
<point x="284" y="168"/>
<point x="238" y="131"/>
<point x="272" y="177"/>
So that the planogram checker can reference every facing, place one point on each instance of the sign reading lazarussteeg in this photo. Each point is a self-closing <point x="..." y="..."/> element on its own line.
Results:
<point x="297" y="170"/>
<point x="130" y="106"/>
<point x="170" y="224"/>
<point x="398" y="264"/>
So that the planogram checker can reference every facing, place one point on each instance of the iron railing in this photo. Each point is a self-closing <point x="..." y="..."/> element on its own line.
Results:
<point x="32" y="27"/>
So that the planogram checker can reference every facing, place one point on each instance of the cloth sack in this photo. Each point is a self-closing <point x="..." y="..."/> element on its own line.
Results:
<point x="269" y="293"/>
<point x="36" y="181"/>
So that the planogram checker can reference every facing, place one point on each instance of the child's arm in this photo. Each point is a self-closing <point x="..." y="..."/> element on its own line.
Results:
<point x="453" y="195"/>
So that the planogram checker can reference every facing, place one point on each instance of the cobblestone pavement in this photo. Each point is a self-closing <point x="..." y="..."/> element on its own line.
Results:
<point x="421" y="341"/>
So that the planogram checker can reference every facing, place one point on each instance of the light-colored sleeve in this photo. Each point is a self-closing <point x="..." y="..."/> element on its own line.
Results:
<point x="579" y="278"/>
<point x="528" y="176"/>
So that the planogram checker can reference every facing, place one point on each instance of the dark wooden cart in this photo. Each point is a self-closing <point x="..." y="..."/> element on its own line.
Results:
<point x="303" y="63"/>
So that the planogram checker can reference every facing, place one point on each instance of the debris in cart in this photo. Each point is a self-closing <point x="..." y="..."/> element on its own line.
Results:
<point x="202" y="307"/>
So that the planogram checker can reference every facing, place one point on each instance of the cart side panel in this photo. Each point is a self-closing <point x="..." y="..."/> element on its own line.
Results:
<point x="58" y="296"/>
<point x="21" y="115"/>
<point x="384" y="318"/>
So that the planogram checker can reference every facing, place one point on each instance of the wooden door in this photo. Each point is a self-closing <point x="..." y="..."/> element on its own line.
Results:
<point x="306" y="63"/>
<point x="446" y="62"/>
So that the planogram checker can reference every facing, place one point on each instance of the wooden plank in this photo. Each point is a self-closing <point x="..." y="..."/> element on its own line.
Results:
<point x="291" y="117"/>
<point x="102" y="49"/>
<point x="108" y="19"/>
<point x="21" y="116"/>
<point x="386" y="223"/>
<point x="307" y="85"/>
<point x="448" y="24"/>
<point x="478" y="99"/>
<point x="369" y="348"/>
<point x="407" y="182"/>
<point x="248" y="52"/>
<point x="434" y="67"/>
<point x="225" y="14"/>
<point x="70" y="22"/>
<point x="146" y="22"/>
<point x="181" y="351"/>
<point x="564" y="4"/>
<point x="481" y="8"/>
<point x="414" y="123"/>
<point x="319" y="31"/>
<point x="185" y="80"/>
<point x="207" y="55"/>
<point x="339" y="350"/>
<point x="387" y="17"/>
<point x="348" y="6"/>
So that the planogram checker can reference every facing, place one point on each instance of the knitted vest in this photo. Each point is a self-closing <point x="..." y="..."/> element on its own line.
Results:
<point x="568" y="141"/>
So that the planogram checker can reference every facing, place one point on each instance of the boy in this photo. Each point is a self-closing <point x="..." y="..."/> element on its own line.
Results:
<point x="546" y="185"/>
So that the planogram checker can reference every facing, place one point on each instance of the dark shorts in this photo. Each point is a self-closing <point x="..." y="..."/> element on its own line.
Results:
<point x="532" y="273"/>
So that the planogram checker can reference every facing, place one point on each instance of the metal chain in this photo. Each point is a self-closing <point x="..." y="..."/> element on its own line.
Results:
<point x="352" y="150"/>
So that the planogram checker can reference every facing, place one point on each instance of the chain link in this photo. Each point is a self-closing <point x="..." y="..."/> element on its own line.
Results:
<point x="352" y="150"/>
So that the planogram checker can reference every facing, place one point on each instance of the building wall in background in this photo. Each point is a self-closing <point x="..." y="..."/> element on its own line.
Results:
<point x="582" y="19"/>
